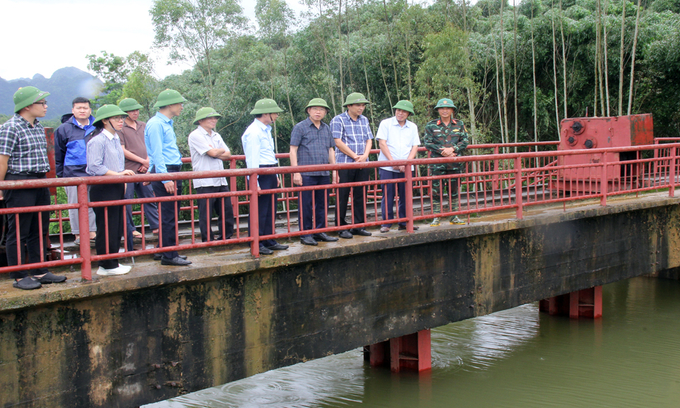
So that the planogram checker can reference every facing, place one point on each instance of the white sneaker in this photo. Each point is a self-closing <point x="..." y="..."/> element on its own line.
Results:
<point x="120" y="270"/>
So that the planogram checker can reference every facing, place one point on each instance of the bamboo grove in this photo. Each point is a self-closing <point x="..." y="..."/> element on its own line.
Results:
<point x="514" y="71"/>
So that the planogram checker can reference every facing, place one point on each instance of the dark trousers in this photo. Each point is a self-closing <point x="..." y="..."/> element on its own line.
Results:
<point x="108" y="192"/>
<point x="168" y="212"/>
<point x="387" y="204"/>
<point x="358" y="194"/>
<point x="266" y="209"/>
<point x="312" y="204"/>
<point x="219" y="205"/>
<point x="439" y="185"/>
<point x="150" y="209"/>
<point x="29" y="227"/>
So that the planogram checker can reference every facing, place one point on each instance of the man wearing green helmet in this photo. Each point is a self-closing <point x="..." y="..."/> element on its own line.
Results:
<point x="23" y="156"/>
<point x="445" y="137"/>
<point x="353" y="138"/>
<point x="137" y="160"/>
<point x="208" y="153"/>
<point x="161" y="145"/>
<point x="311" y="142"/>
<point x="398" y="140"/>
<point x="258" y="146"/>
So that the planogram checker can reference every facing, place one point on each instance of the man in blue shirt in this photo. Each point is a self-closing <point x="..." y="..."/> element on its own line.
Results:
<point x="161" y="146"/>
<point x="353" y="138"/>
<point x="311" y="142"/>
<point x="70" y="158"/>
<point x="258" y="147"/>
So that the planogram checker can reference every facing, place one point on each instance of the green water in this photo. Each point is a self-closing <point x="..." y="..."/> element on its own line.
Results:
<point x="514" y="358"/>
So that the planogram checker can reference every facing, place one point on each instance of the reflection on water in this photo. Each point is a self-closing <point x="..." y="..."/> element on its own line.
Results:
<point x="514" y="358"/>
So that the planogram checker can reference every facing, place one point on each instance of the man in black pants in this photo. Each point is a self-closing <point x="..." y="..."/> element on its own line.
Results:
<point x="208" y="153"/>
<point x="161" y="146"/>
<point x="23" y="156"/>
<point x="258" y="146"/>
<point x="353" y="138"/>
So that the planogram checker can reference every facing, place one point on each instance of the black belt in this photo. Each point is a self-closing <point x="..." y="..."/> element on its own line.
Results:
<point x="175" y="167"/>
<point x="267" y="165"/>
<point x="22" y="176"/>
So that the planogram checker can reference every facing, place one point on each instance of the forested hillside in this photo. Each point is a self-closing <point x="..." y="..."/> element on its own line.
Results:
<point x="514" y="72"/>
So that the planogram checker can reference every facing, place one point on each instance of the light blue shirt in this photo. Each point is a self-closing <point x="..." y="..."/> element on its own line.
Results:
<point x="161" y="143"/>
<point x="258" y="145"/>
<point x="400" y="139"/>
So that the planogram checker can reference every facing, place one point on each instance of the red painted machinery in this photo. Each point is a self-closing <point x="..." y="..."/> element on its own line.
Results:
<point x="603" y="132"/>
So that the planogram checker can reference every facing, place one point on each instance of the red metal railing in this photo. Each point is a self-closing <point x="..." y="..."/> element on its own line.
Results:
<point x="488" y="182"/>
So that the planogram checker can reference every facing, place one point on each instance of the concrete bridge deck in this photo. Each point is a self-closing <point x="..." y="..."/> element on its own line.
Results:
<point x="162" y="331"/>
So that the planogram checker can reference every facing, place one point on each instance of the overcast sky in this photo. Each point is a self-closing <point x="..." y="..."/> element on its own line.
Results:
<point x="41" y="36"/>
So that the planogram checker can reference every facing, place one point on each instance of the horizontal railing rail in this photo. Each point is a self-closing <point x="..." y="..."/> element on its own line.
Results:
<point x="486" y="182"/>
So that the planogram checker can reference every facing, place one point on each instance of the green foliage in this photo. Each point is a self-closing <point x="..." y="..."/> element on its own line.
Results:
<point x="391" y="50"/>
<point x="125" y="77"/>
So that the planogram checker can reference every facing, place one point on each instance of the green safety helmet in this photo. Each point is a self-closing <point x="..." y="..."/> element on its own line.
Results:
<point x="405" y="106"/>
<point x="169" y="97"/>
<point x="129" y="104"/>
<point x="205" y="113"/>
<point x="317" y="102"/>
<point x="107" y="111"/>
<point x="355" y="98"/>
<point x="445" y="103"/>
<point x="265" y="106"/>
<point x="27" y="96"/>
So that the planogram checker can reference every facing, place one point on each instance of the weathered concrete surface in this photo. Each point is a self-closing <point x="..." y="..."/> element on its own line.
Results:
<point x="163" y="331"/>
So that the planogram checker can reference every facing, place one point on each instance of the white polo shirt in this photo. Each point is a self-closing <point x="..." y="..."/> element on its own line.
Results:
<point x="199" y="144"/>
<point x="400" y="139"/>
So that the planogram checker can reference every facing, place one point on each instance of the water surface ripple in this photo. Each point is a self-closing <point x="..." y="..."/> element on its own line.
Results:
<point x="514" y="358"/>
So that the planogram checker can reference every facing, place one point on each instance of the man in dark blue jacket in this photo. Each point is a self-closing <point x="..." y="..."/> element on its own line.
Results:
<point x="69" y="155"/>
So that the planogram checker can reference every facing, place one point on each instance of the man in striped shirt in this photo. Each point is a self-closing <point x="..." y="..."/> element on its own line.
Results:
<point x="353" y="138"/>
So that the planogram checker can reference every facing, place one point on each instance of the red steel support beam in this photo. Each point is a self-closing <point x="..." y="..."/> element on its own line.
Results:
<point x="582" y="303"/>
<point x="412" y="352"/>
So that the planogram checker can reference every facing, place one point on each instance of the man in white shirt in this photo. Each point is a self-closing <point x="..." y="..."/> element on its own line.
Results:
<point x="398" y="140"/>
<point x="208" y="153"/>
<point x="258" y="146"/>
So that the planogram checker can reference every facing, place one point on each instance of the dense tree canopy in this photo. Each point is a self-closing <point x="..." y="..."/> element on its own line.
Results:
<point x="482" y="56"/>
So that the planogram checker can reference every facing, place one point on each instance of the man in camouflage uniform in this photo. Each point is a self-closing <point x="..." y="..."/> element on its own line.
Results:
<point x="445" y="137"/>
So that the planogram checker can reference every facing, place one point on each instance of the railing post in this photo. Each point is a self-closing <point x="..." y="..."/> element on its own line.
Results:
<point x="84" y="220"/>
<point x="604" y="183"/>
<point x="518" y="187"/>
<point x="254" y="217"/>
<point x="495" y="183"/>
<point x="408" y="192"/>
<point x="671" y="173"/>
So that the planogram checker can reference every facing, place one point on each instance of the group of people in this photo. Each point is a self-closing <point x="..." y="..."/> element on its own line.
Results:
<point x="113" y="142"/>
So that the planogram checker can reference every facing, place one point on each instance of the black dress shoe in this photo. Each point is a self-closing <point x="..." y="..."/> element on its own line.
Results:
<point x="265" y="251"/>
<point x="403" y="227"/>
<point x="361" y="232"/>
<point x="278" y="247"/>
<point x="345" y="234"/>
<point x="158" y="257"/>
<point x="308" y="241"/>
<point x="49" y="277"/>
<point x="177" y="261"/>
<point x="324" y="237"/>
